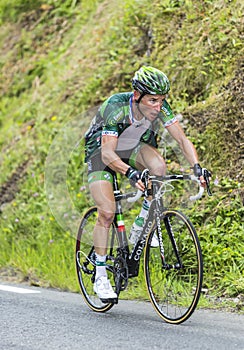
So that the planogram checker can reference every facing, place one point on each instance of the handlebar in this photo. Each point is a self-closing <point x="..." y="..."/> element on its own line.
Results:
<point x="138" y="195"/>
<point x="145" y="178"/>
<point x="169" y="178"/>
<point x="200" y="192"/>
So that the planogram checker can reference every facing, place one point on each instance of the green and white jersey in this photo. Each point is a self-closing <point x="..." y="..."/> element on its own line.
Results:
<point x="115" y="118"/>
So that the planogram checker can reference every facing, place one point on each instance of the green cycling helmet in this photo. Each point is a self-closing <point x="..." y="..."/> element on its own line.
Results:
<point x="149" y="80"/>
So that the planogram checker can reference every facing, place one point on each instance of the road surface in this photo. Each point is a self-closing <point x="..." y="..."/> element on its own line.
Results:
<point x="44" y="319"/>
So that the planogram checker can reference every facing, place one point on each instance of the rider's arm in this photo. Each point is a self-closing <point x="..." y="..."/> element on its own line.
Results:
<point x="171" y="123"/>
<point x="185" y="144"/>
<point x="109" y="157"/>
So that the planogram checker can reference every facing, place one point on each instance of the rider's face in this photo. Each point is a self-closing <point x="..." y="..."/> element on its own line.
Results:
<point x="150" y="105"/>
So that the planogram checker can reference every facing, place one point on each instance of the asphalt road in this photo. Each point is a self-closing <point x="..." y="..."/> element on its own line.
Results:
<point x="34" y="318"/>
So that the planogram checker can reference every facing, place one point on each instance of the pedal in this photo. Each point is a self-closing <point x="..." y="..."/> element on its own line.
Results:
<point x="109" y="301"/>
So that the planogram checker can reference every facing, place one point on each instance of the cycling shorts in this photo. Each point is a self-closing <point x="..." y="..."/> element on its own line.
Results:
<point x="97" y="170"/>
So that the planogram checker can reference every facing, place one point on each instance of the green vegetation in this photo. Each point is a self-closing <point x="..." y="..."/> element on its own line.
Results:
<point x="59" y="59"/>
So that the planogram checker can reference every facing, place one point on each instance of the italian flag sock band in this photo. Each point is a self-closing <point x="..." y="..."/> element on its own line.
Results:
<point x="100" y="260"/>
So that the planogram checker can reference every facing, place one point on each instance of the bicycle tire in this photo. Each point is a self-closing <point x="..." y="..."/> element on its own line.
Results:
<point x="85" y="262"/>
<point x="174" y="292"/>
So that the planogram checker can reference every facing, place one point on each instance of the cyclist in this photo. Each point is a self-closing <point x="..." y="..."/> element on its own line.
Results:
<point x="123" y="138"/>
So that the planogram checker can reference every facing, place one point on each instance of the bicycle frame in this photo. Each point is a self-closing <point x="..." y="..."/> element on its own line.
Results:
<point x="133" y="257"/>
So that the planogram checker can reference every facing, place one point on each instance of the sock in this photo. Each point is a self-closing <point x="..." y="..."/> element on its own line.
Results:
<point x="145" y="207"/>
<point x="100" y="266"/>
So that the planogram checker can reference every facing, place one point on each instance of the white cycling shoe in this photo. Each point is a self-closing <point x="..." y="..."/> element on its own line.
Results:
<point x="104" y="290"/>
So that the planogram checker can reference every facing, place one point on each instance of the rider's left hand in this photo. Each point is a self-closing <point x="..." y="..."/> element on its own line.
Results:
<point x="199" y="172"/>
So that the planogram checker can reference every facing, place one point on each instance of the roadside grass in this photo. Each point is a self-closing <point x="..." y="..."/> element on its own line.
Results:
<point x="47" y="262"/>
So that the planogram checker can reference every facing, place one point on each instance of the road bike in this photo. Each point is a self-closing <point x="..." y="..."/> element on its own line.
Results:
<point x="173" y="270"/>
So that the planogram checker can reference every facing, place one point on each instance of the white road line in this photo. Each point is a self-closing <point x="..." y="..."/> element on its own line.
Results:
<point x="17" y="289"/>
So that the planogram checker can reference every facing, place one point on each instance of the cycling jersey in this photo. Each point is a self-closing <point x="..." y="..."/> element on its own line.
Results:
<point x="115" y="118"/>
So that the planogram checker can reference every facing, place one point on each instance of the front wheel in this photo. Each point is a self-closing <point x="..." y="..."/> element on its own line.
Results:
<point x="174" y="269"/>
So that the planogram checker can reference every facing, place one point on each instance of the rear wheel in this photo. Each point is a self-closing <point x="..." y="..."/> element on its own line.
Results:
<point x="85" y="260"/>
<point x="174" y="283"/>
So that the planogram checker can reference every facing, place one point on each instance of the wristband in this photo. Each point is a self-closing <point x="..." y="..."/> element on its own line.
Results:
<point x="130" y="172"/>
<point x="197" y="170"/>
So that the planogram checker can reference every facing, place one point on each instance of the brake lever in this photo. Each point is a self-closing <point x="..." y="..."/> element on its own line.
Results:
<point x="207" y="175"/>
<point x="145" y="180"/>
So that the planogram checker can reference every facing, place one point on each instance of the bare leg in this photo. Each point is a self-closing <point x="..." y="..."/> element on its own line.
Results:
<point x="149" y="157"/>
<point x="102" y="193"/>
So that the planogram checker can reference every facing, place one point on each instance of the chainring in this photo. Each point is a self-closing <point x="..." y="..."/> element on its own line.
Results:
<point x="120" y="274"/>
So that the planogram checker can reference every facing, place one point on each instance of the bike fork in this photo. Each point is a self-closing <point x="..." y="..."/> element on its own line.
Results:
<point x="165" y="264"/>
<point x="170" y="232"/>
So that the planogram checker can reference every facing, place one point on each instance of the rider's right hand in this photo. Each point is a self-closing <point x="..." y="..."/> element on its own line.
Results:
<point x="135" y="178"/>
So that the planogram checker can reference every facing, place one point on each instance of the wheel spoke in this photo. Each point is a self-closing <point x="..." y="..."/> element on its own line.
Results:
<point x="174" y="292"/>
